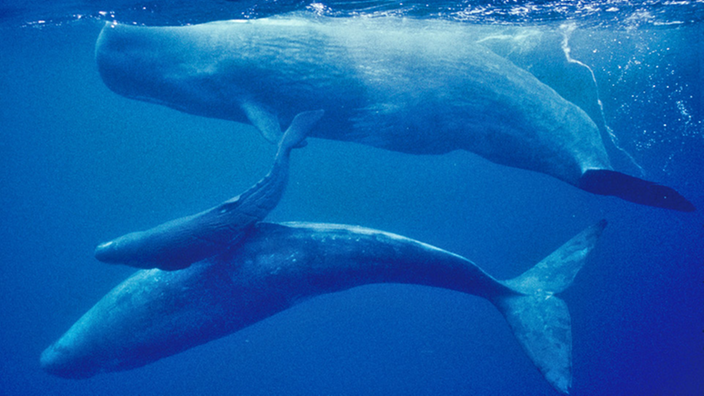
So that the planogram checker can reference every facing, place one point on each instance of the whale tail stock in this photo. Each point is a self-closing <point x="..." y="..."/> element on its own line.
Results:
<point x="540" y="320"/>
<point x="633" y="189"/>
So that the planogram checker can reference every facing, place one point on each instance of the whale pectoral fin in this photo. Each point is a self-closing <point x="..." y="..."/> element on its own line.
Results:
<point x="265" y="121"/>
<point x="633" y="189"/>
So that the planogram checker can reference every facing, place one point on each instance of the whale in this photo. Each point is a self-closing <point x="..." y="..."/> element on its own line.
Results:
<point x="155" y="313"/>
<point x="411" y="86"/>
<point x="178" y="243"/>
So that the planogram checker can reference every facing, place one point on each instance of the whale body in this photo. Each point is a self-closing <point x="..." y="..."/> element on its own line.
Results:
<point x="413" y="86"/>
<point x="155" y="313"/>
<point x="179" y="243"/>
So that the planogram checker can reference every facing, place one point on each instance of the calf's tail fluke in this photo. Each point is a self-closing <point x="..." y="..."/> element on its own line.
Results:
<point x="540" y="320"/>
<point x="299" y="129"/>
<point x="633" y="189"/>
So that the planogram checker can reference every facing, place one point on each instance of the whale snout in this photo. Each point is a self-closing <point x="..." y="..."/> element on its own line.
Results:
<point x="105" y="252"/>
<point x="59" y="362"/>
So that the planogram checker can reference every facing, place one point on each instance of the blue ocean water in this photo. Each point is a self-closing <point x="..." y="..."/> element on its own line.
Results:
<point x="81" y="165"/>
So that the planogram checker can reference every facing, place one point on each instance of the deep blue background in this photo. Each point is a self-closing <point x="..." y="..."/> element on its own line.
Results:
<point x="80" y="165"/>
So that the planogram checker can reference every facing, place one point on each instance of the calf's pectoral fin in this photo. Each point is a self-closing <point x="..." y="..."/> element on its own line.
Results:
<point x="633" y="189"/>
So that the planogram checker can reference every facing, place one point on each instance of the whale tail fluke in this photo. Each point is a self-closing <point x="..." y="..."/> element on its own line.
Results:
<point x="540" y="320"/>
<point x="633" y="189"/>
<point x="299" y="129"/>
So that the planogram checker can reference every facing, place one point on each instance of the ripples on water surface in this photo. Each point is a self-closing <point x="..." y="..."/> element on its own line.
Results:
<point x="621" y="13"/>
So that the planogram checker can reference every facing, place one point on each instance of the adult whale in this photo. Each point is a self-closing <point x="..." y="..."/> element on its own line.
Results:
<point x="155" y="313"/>
<point x="178" y="243"/>
<point x="414" y="86"/>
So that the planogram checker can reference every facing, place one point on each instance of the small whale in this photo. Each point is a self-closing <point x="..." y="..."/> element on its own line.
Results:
<point x="413" y="86"/>
<point x="179" y="243"/>
<point x="155" y="314"/>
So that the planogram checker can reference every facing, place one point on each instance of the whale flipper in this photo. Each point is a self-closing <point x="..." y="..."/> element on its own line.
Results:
<point x="540" y="320"/>
<point x="633" y="189"/>
<point x="265" y="121"/>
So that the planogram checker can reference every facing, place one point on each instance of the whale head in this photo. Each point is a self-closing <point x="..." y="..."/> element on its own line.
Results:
<point x="122" y="250"/>
<point x="129" y="63"/>
<point x="62" y="361"/>
<point x="107" y="252"/>
<point x="169" y="67"/>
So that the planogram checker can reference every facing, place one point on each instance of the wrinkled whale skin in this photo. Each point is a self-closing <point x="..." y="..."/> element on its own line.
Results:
<point x="423" y="87"/>
<point x="413" y="86"/>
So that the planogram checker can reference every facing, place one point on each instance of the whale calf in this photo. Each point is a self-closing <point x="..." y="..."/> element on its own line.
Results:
<point x="155" y="313"/>
<point x="179" y="243"/>
<point x="413" y="86"/>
